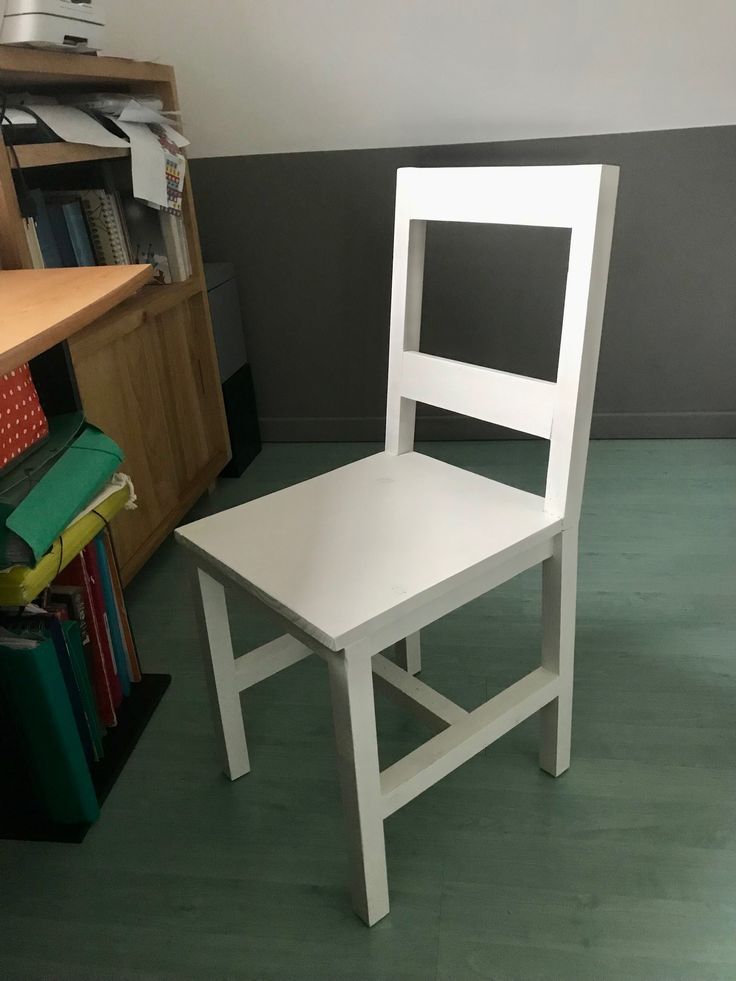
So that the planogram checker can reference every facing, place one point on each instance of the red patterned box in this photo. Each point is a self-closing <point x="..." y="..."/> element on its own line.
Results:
<point x="22" y="420"/>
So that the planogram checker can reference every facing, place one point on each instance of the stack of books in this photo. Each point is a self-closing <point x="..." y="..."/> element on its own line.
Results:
<point x="67" y="656"/>
<point x="99" y="226"/>
<point x="67" y="663"/>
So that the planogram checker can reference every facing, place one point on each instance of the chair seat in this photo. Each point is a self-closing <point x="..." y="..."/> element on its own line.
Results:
<point x="343" y="553"/>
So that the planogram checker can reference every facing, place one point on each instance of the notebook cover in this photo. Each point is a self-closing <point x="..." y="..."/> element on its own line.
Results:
<point x="75" y="575"/>
<point x="134" y="667"/>
<point x="97" y="207"/>
<point x="78" y="234"/>
<point x="49" y="248"/>
<point x="61" y="234"/>
<point x="111" y="611"/>
<point x="103" y="629"/>
<point x="36" y="691"/>
<point x="73" y="599"/>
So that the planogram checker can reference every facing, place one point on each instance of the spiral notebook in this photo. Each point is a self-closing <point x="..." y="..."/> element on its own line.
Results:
<point x="106" y="227"/>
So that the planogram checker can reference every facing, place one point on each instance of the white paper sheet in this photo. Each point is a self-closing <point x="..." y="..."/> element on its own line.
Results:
<point x="175" y="137"/>
<point x="18" y="116"/>
<point x="74" y="126"/>
<point x="148" y="163"/>
<point x="136" y="112"/>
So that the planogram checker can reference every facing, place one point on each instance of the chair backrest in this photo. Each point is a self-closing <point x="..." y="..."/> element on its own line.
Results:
<point x="581" y="198"/>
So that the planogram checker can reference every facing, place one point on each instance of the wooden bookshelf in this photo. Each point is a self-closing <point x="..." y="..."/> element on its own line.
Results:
<point x="40" y="310"/>
<point x="146" y="371"/>
<point x="42" y="307"/>
<point x="56" y="154"/>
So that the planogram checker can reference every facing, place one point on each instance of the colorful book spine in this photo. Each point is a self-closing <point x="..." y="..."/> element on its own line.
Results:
<point x="49" y="248"/>
<point x="89" y="562"/>
<point x="61" y="234"/>
<point x="74" y="692"/>
<point x="134" y="666"/>
<point x="78" y="234"/>
<point x="73" y="598"/>
<point x="113" y="617"/>
<point x="73" y="638"/>
<point x="75" y="575"/>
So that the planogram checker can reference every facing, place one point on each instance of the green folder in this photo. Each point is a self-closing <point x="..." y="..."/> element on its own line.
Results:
<point x="35" y="687"/>
<point x="40" y="498"/>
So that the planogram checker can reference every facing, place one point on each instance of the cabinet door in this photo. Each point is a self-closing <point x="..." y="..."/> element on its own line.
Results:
<point x="194" y="392"/>
<point x="147" y="376"/>
<point x="123" y="385"/>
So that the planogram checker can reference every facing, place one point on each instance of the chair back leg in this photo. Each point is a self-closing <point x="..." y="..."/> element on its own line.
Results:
<point x="408" y="653"/>
<point x="219" y="663"/>
<point x="354" y="716"/>
<point x="559" y="586"/>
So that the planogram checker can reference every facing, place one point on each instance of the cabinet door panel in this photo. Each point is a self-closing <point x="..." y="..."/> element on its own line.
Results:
<point x="194" y="403"/>
<point x="185" y="390"/>
<point x="149" y="379"/>
<point x="124" y="391"/>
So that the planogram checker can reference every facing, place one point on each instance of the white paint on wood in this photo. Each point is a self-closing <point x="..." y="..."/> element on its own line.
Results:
<point x="559" y="588"/>
<point x="581" y="198"/>
<point x="417" y="537"/>
<point x="426" y="703"/>
<point x="211" y="609"/>
<point x="354" y="719"/>
<point x="520" y="403"/>
<point x="556" y="197"/>
<point x="408" y="653"/>
<point x="261" y="663"/>
<point x="439" y="602"/>
<point x="582" y="319"/>
<point x="418" y="526"/>
<point x="441" y="755"/>
<point x="406" y="316"/>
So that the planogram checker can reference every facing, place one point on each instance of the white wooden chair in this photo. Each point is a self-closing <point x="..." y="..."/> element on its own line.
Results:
<point x="360" y="559"/>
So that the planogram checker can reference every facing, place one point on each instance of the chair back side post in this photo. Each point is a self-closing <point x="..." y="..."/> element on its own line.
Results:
<point x="406" y="321"/>
<point x="581" y="198"/>
<point x="577" y="368"/>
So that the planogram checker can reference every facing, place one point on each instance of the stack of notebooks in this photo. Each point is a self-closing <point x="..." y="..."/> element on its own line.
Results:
<point x="66" y="665"/>
<point x="98" y="226"/>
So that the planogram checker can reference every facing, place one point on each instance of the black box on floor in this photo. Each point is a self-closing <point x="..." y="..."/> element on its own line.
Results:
<point x="242" y="421"/>
<point x="235" y="373"/>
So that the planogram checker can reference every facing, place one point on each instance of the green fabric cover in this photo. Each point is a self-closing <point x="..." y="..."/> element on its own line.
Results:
<point x="74" y="477"/>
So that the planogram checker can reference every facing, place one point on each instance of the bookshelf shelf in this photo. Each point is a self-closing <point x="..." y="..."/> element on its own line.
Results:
<point x="42" y="307"/>
<point x="56" y="154"/>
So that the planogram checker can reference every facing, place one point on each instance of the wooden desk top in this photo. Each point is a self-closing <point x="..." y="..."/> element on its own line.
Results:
<point x="41" y="307"/>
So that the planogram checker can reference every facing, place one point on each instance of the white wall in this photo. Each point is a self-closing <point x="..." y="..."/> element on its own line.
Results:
<point x="264" y="76"/>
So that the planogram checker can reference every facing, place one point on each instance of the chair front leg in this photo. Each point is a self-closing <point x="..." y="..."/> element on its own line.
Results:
<point x="214" y="627"/>
<point x="559" y="586"/>
<point x="409" y="653"/>
<point x="353" y="711"/>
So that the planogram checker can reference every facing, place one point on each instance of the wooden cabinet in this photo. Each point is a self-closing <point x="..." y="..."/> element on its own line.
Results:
<point x="147" y="371"/>
<point x="147" y="377"/>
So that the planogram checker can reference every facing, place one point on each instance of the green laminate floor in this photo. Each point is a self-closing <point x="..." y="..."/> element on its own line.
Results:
<point x="625" y="867"/>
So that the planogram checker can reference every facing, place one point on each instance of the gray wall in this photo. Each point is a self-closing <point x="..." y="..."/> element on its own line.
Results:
<point x="310" y="236"/>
